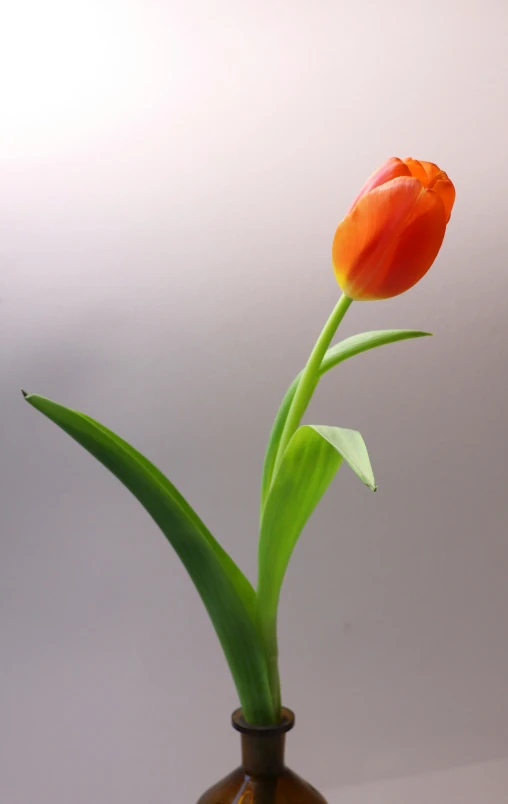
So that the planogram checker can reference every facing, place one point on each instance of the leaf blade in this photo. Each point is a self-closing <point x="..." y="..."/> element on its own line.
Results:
<point x="293" y="496"/>
<point x="364" y="342"/>
<point x="351" y="446"/>
<point x="200" y="553"/>
<point x="296" y="491"/>
<point x="242" y="585"/>
<point x="350" y="347"/>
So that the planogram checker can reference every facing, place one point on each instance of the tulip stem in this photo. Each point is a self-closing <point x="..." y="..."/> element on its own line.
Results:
<point x="310" y="377"/>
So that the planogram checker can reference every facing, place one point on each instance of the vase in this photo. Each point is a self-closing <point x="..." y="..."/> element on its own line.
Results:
<point x="262" y="778"/>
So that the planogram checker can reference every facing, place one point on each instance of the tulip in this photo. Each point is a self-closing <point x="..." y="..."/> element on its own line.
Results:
<point x="388" y="240"/>
<point x="393" y="231"/>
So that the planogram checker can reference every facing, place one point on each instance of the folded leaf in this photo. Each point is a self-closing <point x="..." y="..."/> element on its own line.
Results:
<point x="335" y="355"/>
<point x="226" y="593"/>
<point x="309" y="464"/>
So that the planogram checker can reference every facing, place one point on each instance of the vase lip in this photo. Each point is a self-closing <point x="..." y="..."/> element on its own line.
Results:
<point x="285" y="724"/>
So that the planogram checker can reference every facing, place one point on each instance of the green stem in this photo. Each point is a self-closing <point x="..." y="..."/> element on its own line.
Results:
<point x="267" y="622"/>
<point x="268" y="630"/>
<point x="310" y="377"/>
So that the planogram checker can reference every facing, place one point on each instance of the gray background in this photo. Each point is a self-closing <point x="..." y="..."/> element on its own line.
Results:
<point x="171" y="178"/>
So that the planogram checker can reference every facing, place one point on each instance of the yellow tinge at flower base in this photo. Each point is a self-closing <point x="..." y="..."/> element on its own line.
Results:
<point x="394" y="229"/>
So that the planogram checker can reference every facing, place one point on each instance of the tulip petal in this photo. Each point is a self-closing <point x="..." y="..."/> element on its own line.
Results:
<point x="446" y="191"/>
<point x="389" y="240"/>
<point x="430" y="169"/>
<point x="417" y="170"/>
<point x="391" y="169"/>
<point x="416" y="248"/>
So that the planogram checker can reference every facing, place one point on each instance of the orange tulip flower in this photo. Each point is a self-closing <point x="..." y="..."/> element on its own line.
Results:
<point x="393" y="230"/>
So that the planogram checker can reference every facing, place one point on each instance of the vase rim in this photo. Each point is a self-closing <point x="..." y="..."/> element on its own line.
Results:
<point x="285" y="724"/>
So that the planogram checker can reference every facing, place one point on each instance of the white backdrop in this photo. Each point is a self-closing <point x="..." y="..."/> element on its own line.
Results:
<point x="171" y="176"/>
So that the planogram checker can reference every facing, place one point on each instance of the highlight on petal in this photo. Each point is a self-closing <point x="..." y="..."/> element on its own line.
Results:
<point x="391" y="169"/>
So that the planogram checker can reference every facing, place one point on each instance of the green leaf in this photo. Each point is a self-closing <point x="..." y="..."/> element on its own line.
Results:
<point x="335" y="355"/>
<point x="309" y="464"/>
<point x="226" y="593"/>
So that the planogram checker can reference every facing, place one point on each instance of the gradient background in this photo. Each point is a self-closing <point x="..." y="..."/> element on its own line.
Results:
<point x="171" y="176"/>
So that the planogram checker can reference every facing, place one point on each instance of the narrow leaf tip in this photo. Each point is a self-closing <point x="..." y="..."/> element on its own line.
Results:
<point x="24" y="393"/>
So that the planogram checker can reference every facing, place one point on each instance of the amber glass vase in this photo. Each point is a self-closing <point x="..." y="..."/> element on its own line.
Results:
<point x="262" y="778"/>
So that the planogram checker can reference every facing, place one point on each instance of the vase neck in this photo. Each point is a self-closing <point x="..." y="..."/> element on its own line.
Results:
<point x="263" y="746"/>
<point x="263" y="756"/>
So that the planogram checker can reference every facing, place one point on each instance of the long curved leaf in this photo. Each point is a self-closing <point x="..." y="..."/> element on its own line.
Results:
<point x="335" y="355"/>
<point x="309" y="464"/>
<point x="226" y="593"/>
